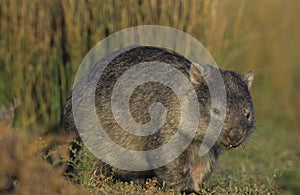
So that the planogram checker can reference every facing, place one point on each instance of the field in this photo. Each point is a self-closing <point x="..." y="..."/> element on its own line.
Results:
<point x="43" y="42"/>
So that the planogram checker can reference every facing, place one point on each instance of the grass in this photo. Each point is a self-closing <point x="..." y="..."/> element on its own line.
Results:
<point x="269" y="167"/>
<point x="43" y="42"/>
<point x="256" y="170"/>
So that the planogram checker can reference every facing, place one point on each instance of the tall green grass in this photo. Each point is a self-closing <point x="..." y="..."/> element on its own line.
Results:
<point x="43" y="42"/>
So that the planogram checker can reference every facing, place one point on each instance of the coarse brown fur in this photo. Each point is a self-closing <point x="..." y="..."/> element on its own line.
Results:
<point x="188" y="171"/>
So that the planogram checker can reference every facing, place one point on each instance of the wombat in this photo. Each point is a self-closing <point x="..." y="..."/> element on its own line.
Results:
<point x="186" y="172"/>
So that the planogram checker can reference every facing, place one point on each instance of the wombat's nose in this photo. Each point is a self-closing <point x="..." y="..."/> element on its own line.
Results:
<point x="234" y="136"/>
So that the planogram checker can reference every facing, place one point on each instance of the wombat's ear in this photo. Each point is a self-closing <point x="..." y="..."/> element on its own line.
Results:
<point x="248" y="78"/>
<point x="195" y="73"/>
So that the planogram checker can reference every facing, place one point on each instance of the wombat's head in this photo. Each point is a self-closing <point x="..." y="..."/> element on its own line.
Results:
<point x="239" y="120"/>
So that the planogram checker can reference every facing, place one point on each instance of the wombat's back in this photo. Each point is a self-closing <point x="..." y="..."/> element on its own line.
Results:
<point x="140" y="100"/>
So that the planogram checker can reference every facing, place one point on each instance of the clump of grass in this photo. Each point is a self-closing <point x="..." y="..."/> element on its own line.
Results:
<point x="81" y="164"/>
<point x="84" y="171"/>
<point x="23" y="170"/>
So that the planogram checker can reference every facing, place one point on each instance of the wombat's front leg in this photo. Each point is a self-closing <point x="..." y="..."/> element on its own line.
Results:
<point x="187" y="172"/>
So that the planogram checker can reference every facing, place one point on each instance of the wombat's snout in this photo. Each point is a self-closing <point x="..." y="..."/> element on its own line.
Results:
<point x="234" y="137"/>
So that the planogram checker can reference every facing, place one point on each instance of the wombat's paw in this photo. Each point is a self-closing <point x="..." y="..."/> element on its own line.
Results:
<point x="192" y="191"/>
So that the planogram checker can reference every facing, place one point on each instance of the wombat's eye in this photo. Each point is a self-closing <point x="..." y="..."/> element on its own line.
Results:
<point x="216" y="111"/>
<point x="247" y="114"/>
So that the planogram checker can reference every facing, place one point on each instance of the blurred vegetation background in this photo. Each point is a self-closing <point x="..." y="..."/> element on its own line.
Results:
<point x="43" y="42"/>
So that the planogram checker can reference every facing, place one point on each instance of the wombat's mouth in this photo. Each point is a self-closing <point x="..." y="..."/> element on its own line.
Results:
<point x="228" y="146"/>
<point x="231" y="138"/>
<point x="225" y="144"/>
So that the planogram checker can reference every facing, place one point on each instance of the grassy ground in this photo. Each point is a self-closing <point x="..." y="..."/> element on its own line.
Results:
<point x="259" y="169"/>
<point x="268" y="167"/>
